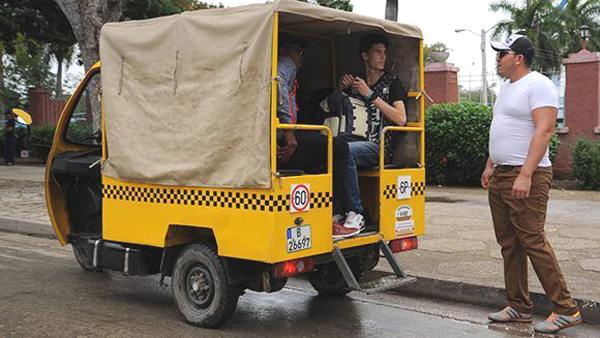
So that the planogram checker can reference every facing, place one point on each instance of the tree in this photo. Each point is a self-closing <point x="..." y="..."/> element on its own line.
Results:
<point x="146" y="9"/>
<point x="42" y="21"/>
<point x="344" y="5"/>
<point x="579" y="13"/>
<point x="86" y="18"/>
<point x="30" y="65"/>
<point x="436" y="47"/>
<point x="554" y="33"/>
<point x="539" y="20"/>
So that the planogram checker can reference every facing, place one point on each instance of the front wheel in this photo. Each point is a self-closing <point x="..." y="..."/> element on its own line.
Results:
<point x="202" y="291"/>
<point x="84" y="255"/>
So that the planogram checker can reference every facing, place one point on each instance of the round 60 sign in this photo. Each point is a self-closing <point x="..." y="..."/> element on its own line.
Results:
<point x="300" y="198"/>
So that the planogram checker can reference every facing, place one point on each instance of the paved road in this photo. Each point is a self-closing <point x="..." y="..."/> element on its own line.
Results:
<point x="44" y="293"/>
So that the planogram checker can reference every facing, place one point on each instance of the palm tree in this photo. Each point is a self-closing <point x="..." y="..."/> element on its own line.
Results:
<point x="540" y="21"/>
<point x="579" y="13"/>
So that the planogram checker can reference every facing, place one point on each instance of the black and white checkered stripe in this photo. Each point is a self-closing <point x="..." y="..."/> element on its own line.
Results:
<point x="210" y="198"/>
<point x="416" y="189"/>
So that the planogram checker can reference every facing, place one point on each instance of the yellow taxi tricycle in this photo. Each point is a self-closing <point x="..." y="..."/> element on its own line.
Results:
<point x="179" y="177"/>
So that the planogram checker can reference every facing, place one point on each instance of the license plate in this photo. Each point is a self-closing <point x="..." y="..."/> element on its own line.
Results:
<point x="298" y="238"/>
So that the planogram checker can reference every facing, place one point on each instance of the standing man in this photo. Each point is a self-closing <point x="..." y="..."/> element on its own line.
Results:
<point x="304" y="150"/>
<point x="384" y="99"/>
<point x="10" y="138"/>
<point x="518" y="174"/>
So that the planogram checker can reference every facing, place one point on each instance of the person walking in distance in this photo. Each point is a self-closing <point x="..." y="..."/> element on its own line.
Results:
<point x="518" y="175"/>
<point x="10" y="138"/>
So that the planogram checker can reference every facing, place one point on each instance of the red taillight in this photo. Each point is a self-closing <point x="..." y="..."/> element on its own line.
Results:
<point x="293" y="267"/>
<point x="404" y="244"/>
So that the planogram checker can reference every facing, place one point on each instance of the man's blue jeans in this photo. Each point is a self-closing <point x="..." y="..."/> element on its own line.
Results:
<point x="363" y="154"/>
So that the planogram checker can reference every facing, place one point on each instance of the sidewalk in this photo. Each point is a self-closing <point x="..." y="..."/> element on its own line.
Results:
<point x="458" y="258"/>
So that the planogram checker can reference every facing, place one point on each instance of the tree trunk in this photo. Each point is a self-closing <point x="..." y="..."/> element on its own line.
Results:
<point x="59" y="81"/>
<point x="391" y="10"/>
<point x="86" y="18"/>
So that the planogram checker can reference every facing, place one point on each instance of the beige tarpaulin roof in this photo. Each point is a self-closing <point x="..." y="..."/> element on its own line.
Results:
<point x="328" y="14"/>
<point x="186" y="98"/>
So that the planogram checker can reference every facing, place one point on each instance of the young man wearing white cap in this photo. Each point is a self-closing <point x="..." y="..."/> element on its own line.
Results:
<point x="518" y="175"/>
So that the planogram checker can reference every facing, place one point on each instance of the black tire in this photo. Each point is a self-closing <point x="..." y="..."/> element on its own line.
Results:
<point x="84" y="255"/>
<point x="202" y="292"/>
<point x="328" y="280"/>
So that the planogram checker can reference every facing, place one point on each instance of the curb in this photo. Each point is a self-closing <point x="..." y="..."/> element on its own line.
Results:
<point x="489" y="296"/>
<point x="26" y="228"/>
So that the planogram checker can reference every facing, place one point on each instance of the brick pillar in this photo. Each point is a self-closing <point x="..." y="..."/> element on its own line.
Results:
<point x="441" y="82"/>
<point x="582" y="106"/>
<point x="39" y="99"/>
<point x="57" y="107"/>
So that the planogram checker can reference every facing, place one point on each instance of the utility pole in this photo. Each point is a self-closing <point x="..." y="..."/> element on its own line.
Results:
<point x="484" y="85"/>
<point x="484" y="91"/>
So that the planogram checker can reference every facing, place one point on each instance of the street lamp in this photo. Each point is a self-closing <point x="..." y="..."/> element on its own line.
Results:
<point x="584" y="33"/>
<point x="484" y="86"/>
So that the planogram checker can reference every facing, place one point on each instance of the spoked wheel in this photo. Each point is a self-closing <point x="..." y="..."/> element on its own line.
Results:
<point x="202" y="291"/>
<point x="327" y="279"/>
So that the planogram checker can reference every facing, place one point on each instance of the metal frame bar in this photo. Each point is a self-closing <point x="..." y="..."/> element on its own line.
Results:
<point x="274" y="85"/>
<point x="389" y="256"/>
<point x="341" y="263"/>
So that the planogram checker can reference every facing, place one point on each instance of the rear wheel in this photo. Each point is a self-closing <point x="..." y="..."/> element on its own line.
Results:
<point x="327" y="279"/>
<point x="202" y="291"/>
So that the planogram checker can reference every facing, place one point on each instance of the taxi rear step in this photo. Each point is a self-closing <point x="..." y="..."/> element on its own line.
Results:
<point x="398" y="279"/>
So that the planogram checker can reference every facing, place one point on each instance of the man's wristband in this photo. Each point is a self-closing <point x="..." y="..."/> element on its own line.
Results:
<point x="371" y="97"/>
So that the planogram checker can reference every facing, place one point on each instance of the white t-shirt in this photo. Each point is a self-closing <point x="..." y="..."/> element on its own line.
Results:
<point x="512" y="124"/>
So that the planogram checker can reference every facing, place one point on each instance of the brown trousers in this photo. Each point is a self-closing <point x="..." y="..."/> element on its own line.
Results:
<point x="519" y="228"/>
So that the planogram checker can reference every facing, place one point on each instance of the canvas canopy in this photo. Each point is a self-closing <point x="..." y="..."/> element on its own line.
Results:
<point x="186" y="98"/>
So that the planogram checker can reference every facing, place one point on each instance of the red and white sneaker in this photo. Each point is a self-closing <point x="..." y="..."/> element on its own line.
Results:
<point x="341" y="232"/>
<point x="338" y="219"/>
<point x="354" y="221"/>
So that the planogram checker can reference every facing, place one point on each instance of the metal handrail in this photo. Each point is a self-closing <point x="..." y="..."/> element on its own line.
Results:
<point x="398" y="129"/>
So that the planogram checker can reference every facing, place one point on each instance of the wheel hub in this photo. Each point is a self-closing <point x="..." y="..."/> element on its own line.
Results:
<point x="200" y="286"/>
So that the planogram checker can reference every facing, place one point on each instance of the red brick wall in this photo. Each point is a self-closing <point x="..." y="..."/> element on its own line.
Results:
<point x="582" y="107"/>
<point x="441" y="83"/>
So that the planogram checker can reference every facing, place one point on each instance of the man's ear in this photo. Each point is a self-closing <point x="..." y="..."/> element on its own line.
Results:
<point x="521" y="59"/>
<point x="364" y="56"/>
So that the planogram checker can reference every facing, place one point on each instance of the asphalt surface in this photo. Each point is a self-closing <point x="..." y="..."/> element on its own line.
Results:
<point x="43" y="293"/>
